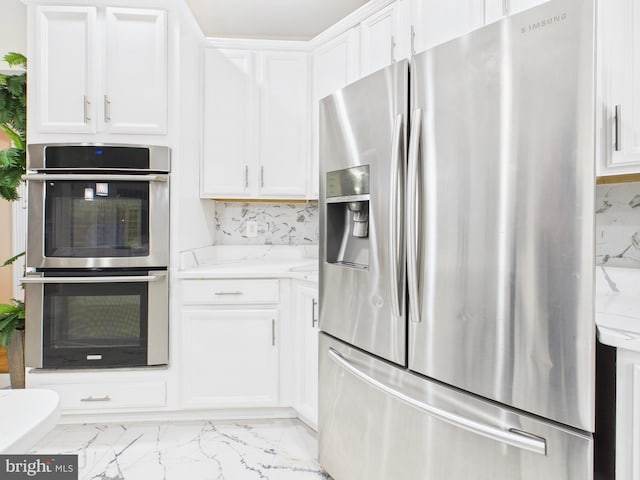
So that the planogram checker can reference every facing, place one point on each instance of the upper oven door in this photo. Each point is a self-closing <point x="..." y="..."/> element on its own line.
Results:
<point x="97" y="220"/>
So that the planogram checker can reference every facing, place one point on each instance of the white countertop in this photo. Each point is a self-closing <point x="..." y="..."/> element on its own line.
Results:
<point x="618" y="307"/>
<point x="251" y="262"/>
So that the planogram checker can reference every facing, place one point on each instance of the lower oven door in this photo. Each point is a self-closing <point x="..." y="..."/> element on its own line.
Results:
<point x="96" y="319"/>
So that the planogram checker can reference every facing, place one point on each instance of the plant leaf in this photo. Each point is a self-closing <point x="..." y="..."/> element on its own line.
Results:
<point x="13" y="59"/>
<point x="9" y="261"/>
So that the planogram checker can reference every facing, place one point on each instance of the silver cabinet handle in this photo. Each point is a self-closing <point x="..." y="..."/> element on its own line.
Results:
<point x="114" y="279"/>
<point x="505" y="8"/>
<point x="617" y="136"/>
<point x="107" y="109"/>
<point x="273" y="332"/>
<point x="106" y="398"/>
<point x="44" y="177"/>
<point x="261" y="176"/>
<point x="393" y="48"/>
<point x="413" y="216"/>
<point x="514" y="437"/>
<point x="314" y="318"/>
<point x="86" y="109"/>
<point x="396" y="238"/>
<point x="229" y="293"/>
<point x="246" y="176"/>
<point x="413" y="40"/>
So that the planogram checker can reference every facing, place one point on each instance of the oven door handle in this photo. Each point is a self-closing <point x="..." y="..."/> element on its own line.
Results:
<point x="44" y="177"/>
<point x="114" y="279"/>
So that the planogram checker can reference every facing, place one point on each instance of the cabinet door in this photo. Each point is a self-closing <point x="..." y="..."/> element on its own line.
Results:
<point x="229" y="147"/>
<point x="135" y="95"/>
<point x="66" y="70"/>
<point x="307" y="324"/>
<point x="378" y="40"/>
<point x="435" y="21"/>
<point x="335" y="65"/>
<point x="515" y="6"/>
<point x="284" y="125"/>
<point x="230" y="358"/>
<point x="496" y="9"/>
<point x="620" y="76"/>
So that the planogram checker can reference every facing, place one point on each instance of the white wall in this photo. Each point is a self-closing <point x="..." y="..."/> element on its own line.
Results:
<point x="13" y="28"/>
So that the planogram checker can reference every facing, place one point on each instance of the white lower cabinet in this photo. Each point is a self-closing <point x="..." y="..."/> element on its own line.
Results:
<point x="104" y="391"/>
<point x="229" y="347"/>
<point x="628" y="415"/>
<point x="305" y="320"/>
<point x="230" y="358"/>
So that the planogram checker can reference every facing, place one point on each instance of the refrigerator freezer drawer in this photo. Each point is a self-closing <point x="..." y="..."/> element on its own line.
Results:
<point x="378" y="421"/>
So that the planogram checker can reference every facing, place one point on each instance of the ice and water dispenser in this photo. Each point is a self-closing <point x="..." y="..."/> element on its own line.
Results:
<point x="347" y="198"/>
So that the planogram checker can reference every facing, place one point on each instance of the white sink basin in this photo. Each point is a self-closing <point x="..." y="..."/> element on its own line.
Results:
<point x="25" y="417"/>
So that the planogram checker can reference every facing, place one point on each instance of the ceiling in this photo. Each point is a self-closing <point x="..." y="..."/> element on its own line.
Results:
<point x="281" y="19"/>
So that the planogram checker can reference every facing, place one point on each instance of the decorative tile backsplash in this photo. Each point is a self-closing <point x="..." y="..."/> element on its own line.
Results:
<point x="248" y="223"/>
<point x="618" y="225"/>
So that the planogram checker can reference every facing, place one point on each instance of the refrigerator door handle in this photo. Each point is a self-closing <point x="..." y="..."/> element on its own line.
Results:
<point x="514" y="437"/>
<point x="395" y="227"/>
<point x="413" y="216"/>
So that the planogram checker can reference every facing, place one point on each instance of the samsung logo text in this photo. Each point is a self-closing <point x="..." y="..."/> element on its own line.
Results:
<point x="545" y="22"/>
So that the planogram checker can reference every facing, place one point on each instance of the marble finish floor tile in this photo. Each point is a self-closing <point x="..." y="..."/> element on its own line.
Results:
<point x="220" y="450"/>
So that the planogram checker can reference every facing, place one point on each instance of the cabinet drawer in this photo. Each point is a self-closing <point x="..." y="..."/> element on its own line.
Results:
<point x="225" y="292"/>
<point x="109" y="395"/>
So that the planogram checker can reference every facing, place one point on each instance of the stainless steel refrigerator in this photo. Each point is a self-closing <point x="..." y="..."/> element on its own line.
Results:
<point x="457" y="253"/>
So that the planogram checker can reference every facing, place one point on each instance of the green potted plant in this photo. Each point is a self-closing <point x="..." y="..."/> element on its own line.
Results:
<point x="13" y="121"/>
<point x="12" y="338"/>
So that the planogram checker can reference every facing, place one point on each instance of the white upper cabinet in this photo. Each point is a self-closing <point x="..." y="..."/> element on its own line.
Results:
<point x="335" y="64"/>
<point x="437" y="21"/>
<point x="284" y="124"/>
<point x="496" y="9"/>
<point x="135" y="94"/>
<point x="88" y="82"/>
<point x="256" y="124"/>
<point x="619" y="76"/>
<point x="229" y="93"/>
<point x="378" y="38"/>
<point x="66" y="69"/>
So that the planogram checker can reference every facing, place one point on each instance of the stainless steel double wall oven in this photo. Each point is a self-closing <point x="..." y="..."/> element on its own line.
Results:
<point x="97" y="256"/>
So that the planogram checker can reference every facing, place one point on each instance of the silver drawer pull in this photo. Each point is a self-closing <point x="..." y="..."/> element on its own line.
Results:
<point x="229" y="293"/>
<point x="106" y="398"/>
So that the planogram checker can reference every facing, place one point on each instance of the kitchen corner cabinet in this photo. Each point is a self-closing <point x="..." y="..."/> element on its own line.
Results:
<point x="100" y="70"/>
<point x="306" y="327"/>
<point x="230" y="343"/>
<point x="627" y="415"/>
<point x="619" y="74"/>
<point x="255" y="129"/>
